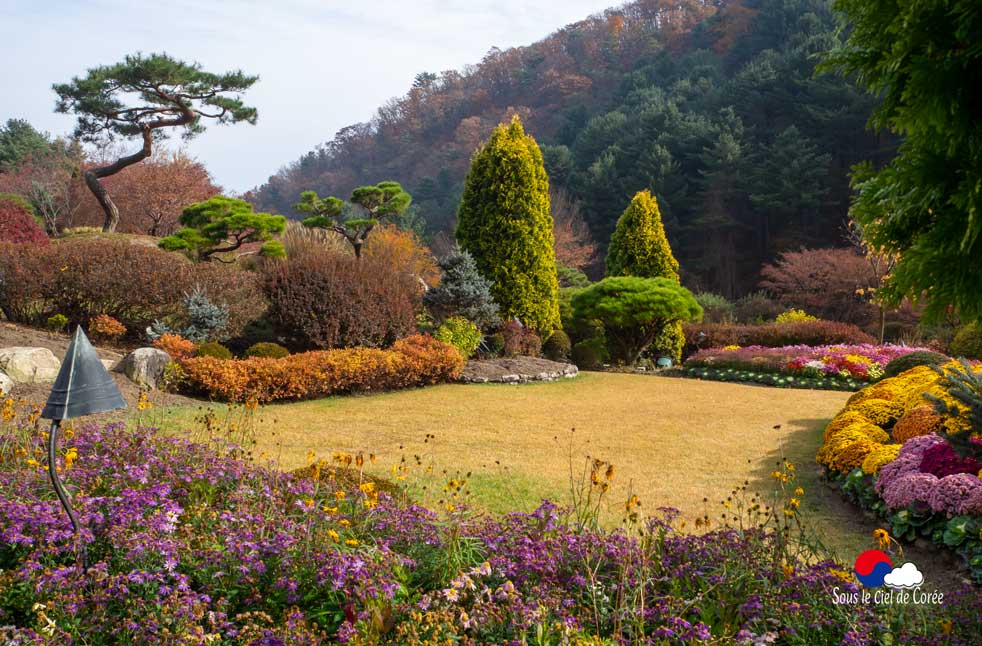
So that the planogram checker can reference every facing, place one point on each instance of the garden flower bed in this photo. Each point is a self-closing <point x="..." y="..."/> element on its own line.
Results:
<point x="836" y="367"/>
<point x="892" y="452"/>
<point x="190" y="545"/>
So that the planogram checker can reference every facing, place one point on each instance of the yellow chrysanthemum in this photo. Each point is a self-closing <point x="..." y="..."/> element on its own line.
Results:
<point x="881" y="412"/>
<point x="917" y="421"/>
<point x="882" y="454"/>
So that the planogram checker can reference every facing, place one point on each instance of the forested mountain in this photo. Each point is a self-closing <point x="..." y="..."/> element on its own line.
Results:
<point x="713" y="105"/>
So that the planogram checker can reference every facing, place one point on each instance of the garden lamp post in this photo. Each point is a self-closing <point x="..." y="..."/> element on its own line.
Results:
<point x="83" y="387"/>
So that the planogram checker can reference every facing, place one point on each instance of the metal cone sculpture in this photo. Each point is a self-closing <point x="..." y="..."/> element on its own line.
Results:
<point x="83" y="387"/>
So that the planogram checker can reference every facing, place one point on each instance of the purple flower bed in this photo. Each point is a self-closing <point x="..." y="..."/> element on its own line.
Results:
<point x="187" y="546"/>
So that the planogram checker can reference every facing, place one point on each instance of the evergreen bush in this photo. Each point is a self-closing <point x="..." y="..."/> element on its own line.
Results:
<point x="504" y="222"/>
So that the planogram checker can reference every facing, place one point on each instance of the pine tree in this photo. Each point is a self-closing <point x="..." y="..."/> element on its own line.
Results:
<point x="640" y="248"/>
<point x="504" y="223"/>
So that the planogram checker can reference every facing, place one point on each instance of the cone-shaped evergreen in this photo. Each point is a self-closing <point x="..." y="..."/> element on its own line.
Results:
<point x="504" y="223"/>
<point x="639" y="247"/>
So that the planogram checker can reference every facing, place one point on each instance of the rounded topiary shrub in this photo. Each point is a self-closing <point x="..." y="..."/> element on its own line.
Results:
<point x="967" y="342"/>
<point x="557" y="347"/>
<point x="460" y="333"/>
<point x="213" y="349"/>
<point x="267" y="351"/>
<point x="912" y="360"/>
<point x="494" y="345"/>
<point x="590" y="354"/>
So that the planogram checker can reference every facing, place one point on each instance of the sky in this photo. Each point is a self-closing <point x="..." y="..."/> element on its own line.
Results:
<point x="322" y="64"/>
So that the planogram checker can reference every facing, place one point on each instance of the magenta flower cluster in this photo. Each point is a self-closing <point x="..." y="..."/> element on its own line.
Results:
<point x="861" y="362"/>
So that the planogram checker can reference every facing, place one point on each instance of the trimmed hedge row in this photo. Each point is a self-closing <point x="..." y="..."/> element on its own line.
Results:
<point x="773" y="335"/>
<point x="414" y="361"/>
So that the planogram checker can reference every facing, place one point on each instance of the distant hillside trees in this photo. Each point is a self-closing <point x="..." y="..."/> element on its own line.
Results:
<point x="715" y="107"/>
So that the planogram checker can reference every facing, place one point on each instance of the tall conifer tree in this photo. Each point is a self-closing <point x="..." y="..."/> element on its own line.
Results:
<point x="504" y="223"/>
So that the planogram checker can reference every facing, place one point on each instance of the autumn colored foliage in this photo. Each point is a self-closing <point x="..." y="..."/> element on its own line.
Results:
<point x="133" y="283"/>
<point x="829" y="283"/>
<point x="18" y="225"/>
<point x="329" y="300"/>
<point x="151" y="195"/>
<point x="414" y="361"/>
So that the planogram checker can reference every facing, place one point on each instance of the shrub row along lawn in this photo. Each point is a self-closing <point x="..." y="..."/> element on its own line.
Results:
<point x="895" y="453"/>
<point x="414" y="361"/>
<point x="191" y="545"/>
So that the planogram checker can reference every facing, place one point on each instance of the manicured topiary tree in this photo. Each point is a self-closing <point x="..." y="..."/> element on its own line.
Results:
<point x="385" y="200"/>
<point x="222" y="225"/>
<point x="635" y="310"/>
<point x="639" y="247"/>
<point x="504" y="222"/>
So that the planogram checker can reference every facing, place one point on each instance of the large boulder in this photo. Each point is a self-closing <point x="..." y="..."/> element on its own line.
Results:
<point x="6" y="383"/>
<point x="29" y="365"/>
<point x="145" y="366"/>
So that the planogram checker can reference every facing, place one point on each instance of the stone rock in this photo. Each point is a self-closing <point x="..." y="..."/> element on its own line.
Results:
<point x="111" y="365"/>
<point x="516" y="370"/>
<point x="29" y="365"/>
<point x="145" y="366"/>
<point x="6" y="383"/>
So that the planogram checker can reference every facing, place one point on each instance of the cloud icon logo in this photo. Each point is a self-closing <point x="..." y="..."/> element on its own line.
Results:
<point x="906" y="577"/>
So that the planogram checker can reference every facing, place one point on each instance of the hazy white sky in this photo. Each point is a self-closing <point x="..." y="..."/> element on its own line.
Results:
<point x="322" y="64"/>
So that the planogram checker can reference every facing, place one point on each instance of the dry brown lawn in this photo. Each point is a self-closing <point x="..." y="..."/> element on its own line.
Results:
<point x="674" y="442"/>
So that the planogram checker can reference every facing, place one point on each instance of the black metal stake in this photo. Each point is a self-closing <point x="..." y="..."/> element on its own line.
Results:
<point x="60" y="488"/>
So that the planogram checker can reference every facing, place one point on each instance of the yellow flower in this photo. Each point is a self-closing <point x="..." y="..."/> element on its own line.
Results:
<point x="788" y="570"/>
<point x="333" y="535"/>
<point x="882" y="538"/>
<point x="799" y="492"/>
<point x="730" y="348"/>
<point x="352" y="542"/>
<point x="33" y="463"/>
<point x="946" y="625"/>
<point x="339" y="495"/>
<point x="71" y="455"/>
<point x="329" y="510"/>
<point x="344" y="522"/>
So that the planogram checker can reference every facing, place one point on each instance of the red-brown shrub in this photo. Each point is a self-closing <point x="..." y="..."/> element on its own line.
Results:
<point x="17" y="225"/>
<point x="135" y="284"/>
<point x="332" y="300"/>
<point x="25" y="271"/>
<point x="520" y="340"/>
<point x="823" y="282"/>
<point x="414" y="361"/>
<point x="237" y="289"/>
<point x="772" y="335"/>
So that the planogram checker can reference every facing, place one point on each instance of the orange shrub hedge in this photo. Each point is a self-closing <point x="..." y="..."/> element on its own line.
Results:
<point x="414" y="361"/>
